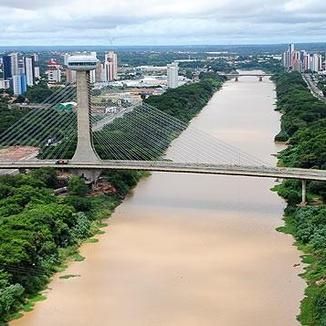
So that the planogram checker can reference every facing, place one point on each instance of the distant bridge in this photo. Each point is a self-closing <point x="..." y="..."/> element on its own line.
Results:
<point x="247" y="75"/>
<point x="237" y="76"/>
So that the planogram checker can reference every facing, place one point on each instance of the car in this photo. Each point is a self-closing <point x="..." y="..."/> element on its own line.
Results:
<point x="62" y="162"/>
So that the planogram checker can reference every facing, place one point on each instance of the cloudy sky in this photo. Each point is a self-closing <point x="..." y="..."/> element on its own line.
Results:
<point x="160" y="22"/>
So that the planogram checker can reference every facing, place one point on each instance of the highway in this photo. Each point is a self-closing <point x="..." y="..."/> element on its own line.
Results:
<point x="168" y="166"/>
<point x="313" y="87"/>
<point x="99" y="125"/>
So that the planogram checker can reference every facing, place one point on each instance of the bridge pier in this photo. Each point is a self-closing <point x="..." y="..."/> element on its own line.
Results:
<point x="89" y="175"/>
<point x="303" y="193"/>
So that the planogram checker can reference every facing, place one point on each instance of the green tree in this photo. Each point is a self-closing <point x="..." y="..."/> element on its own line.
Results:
<point x="77" y="186"/>
<point x="39" y="92"/>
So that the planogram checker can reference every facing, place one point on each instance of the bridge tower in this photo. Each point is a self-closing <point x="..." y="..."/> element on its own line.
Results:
<point x="85" y="152"/>
<point x="83" y="64"/>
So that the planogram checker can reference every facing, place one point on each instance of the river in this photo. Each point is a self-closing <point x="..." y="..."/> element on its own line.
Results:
<point x="191" y="249"/>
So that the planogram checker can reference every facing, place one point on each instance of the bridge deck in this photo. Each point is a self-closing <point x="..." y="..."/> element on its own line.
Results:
<point x="168" y="166"/>
<point x="246" y="75"/>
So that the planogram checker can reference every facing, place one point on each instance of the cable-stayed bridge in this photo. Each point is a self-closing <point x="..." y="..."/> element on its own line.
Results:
<point x="88" y="139"/>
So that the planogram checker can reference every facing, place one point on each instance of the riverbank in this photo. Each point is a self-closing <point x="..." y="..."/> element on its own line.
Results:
<point x="304" y="127"/>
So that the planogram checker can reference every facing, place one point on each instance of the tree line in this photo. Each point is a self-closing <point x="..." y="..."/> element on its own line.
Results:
<point x="303" y="126"/>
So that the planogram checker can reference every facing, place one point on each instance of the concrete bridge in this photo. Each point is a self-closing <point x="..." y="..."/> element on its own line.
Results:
<point x="237" y="76"/>
<point x="169" y="166"/>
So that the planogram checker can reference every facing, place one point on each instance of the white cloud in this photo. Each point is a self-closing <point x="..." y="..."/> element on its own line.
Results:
<point x="160" y="21"/>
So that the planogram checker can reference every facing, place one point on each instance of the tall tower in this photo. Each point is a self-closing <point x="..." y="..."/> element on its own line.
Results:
<point x="83" y="64"/>
<point x="29" y="70"/>
<point x="14" y="64"/>
<point x="172" y="75"/>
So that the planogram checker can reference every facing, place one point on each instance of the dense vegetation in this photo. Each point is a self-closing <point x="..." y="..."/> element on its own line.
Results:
<point x="155" y="58"/>
<point x="259" y="62"/>
<point x="39" y="92"/>
<point x="186" y="101"/>
<point x="9" y="115"/>
<point x="38" y="230"/>
<point x="304" y="127"/>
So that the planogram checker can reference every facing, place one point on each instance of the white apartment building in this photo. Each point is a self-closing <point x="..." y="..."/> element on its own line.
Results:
<point x="29" y="71"/>
<point x="173" y="75"/>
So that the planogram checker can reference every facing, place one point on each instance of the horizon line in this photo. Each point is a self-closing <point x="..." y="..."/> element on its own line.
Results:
<point x="158" y="45"/>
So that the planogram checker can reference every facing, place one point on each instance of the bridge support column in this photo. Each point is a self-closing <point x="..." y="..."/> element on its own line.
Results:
<point x="303" y="193"/>
<point x="84" y="151"/>
<point x="89" y="175"/>
<point x="236" y="79"/>
<point x="260" y="78"/>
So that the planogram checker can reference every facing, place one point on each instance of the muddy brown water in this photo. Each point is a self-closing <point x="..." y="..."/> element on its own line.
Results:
<point x="191" y="249"/>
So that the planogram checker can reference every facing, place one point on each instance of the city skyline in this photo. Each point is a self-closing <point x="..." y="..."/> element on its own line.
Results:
<point x="125" y="22"/>
<point x="302" y="61"/>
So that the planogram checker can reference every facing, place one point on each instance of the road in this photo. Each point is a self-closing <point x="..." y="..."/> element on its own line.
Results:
<point x="167" y="166"/>
<point x="313" y="87"/>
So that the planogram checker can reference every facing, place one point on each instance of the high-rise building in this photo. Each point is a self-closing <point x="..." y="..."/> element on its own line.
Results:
<point x="37" y="73"/>
<point x="14" y="64"/>
<point x="65" y="58"/>
<point x="111" y="66"/>
<point x="316" y="62"/>
<point x="288" y="57"/>
<point x="53" y="72"/>
<point x="99" y="72"/>
<point x="109" y="71"/>
<point x="7" y="67"/>
<point x="285" y="60"/>
<point x="172" y="75"/>
<point x="306" y="62"/>
<point x="29" y="70"/>
<point x="295" y="61"/>
<point x="19" y="84"/>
